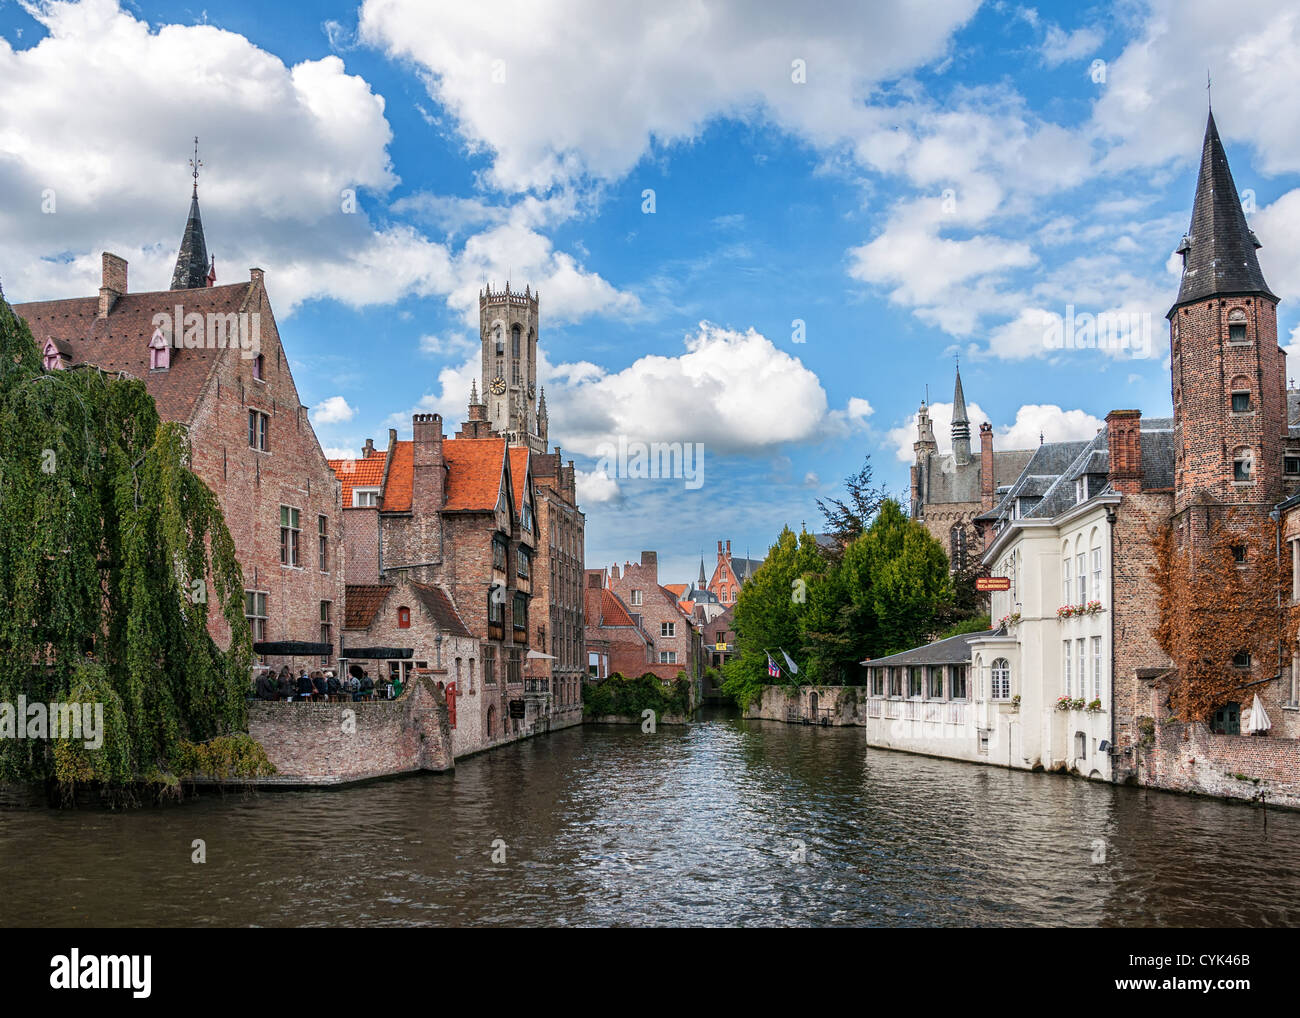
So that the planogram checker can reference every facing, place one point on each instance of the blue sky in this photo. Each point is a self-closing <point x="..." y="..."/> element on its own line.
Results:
<point x="947" y="178"/>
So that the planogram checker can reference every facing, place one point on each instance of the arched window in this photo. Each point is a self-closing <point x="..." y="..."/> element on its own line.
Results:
<point x="403" y="618"/>
<point x="500" y="339"/>
<point x="1001" y="679"/>
<point x="1243" y="464"/>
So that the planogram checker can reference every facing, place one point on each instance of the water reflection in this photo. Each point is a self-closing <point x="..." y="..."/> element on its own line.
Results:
<point x="723" y="822"/>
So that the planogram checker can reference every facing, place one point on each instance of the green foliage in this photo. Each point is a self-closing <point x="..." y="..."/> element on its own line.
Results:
<point x="883" y="591"/>
<point x="104" y="532"/>
<point x="769" y="610"/>
<point x="975" y="625"/>
<point x="621" y="696"/>
<point x="226" y="756"/>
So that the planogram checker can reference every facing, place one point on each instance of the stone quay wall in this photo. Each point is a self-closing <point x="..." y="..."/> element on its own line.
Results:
<point x="837" y="706"/>
<point x="340" y="743"/>
<point x="1189" y="758"/>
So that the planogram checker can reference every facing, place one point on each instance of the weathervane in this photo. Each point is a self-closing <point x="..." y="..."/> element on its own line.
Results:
<point x="195" y="163"/>
<point x="1209" y="96"/>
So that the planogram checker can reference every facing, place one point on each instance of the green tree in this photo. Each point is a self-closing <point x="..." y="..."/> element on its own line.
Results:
<point x="906" y="579"/>
<point x="112" y="552"/>
<point x="769" y="610"/>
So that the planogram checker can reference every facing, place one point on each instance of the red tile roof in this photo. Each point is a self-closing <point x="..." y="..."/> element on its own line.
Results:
<point x="676" y="589"/>
<point x="362" y="603"/>
<point x="612" y="611"/>
<point x="120" y="342"/>
<point x="475" y="467"/>
<point x="359" y="473"/>
<point x="401" y="477"/>
<point x="439" y="605"/>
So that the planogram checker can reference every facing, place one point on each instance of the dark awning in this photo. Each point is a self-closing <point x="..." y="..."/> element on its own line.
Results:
<point x="377" y="653"/>
<point x="294" y="648"/>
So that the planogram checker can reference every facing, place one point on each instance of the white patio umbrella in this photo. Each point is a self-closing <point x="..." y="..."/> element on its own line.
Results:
<point x="1259" y="721"/>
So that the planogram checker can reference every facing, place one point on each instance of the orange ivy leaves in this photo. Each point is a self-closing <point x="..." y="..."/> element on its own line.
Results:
<point x="1219" y="590"/>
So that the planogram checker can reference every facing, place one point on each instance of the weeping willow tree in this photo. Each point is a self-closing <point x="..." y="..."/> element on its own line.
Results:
<point x="112" y="554"/>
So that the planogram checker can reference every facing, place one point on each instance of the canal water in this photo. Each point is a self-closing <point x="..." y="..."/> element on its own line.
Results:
<point x="723" y="822"/>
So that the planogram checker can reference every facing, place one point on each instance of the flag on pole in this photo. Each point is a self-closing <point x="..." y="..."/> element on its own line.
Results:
<point x="794" y="668"/>
<point x="772" y="668"/>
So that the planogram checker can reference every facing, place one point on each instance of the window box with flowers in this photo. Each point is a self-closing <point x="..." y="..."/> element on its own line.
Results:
<point x="1094" y="707"/>
<point x="1067" y="611"/>
<point x="1091" y="608"/>
<point x="1009" y="621"/>
<point x="1065" y="703"/>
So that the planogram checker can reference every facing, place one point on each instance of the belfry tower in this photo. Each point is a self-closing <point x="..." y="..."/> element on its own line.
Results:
<point x="508" y="324"/>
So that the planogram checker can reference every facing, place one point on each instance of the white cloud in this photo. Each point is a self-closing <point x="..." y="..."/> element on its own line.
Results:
<point x="859" y="409"/>
<point x="594" y="487"/>
<point x="334" y="410"/>
<point x="1060" y="46"/>
<point x="588" y="92"/>
<point x="736" y="392"/>
<point x="319" y="135"/>
<point x="335" y="452"/>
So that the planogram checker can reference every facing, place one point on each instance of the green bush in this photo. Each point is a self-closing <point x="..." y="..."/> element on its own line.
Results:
<point x="621" y="696"/>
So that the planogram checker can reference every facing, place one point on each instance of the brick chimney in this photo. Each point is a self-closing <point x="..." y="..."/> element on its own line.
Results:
<point x="1124" y="442"/>
<point x="368" y="448"/>
<point x="988" y="484"/>
<point x="113" y="283"/>
<point x="428" y="483"/>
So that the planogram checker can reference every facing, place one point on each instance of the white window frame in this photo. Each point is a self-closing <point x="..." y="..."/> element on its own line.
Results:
<point x="668" y="629"/>
<point x="365" y="498"/>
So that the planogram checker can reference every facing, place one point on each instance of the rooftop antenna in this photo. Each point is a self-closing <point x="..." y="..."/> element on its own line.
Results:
<point x="195" y="163"/>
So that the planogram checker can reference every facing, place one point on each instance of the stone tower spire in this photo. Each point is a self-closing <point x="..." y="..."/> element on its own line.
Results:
<point x="960" y="425"/>
<point x="704" y="583"/>
<point x="192" y="261"/>
<point x="1219" y="247"/>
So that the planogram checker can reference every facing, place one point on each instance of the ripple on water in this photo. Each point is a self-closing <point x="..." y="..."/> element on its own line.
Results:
<point x="723" y="822"/>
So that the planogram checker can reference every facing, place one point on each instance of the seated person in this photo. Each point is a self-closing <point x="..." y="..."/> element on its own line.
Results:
<point x="318" y="683"/>
<point x="284" y="685"/>
<point x="354" y="686"/>
<point x="367" y="684"/>
<point x="304" y="685"/>
<point x="267" y="687"/>
<point x="332" y="686"/>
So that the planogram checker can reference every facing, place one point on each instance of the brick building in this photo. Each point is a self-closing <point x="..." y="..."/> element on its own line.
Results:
<point x="457" y="514"/>
<point x="675" y="640"/>
<point x="558" y="587"/>
<point x="949" y="490"/>
<point x="729" y="574"/>
<point x="615" y="638"/>
<point x="414" y="629"/>
<point x="220" y="369"/>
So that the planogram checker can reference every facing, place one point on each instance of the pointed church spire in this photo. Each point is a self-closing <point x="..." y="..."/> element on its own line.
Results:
<point x="192" y="261"/>
<point x="541" y="405"/>
<point x="1219" y="248"/>
<point x="960" y="424"/>
<point x="704" y="583"/>
<point x="473" y="392"/>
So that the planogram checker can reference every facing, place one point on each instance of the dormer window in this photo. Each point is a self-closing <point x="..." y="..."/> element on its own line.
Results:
<point x="365" y="498"/>
<point x="160" y="353"/>
<point x="53" y="357"/>
<point x="1081" y="490"/>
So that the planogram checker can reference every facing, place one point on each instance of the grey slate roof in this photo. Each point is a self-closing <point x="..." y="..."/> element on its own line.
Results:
<point x="744" y="568"/>
<point x="953" y="651"/>
<point x="1219" y="249"/>
<point x="1052" y="476"/>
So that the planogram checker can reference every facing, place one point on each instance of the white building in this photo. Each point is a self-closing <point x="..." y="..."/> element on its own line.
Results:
<point x="1036" y="690"/>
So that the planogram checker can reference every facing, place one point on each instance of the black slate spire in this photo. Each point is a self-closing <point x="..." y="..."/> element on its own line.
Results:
<point x="960" y="424"/>
<point x="1219" y="248"/>
<point x="192" y="262"/>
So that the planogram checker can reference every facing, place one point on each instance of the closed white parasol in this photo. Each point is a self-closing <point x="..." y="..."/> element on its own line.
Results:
<point x="1259" y="721"/>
